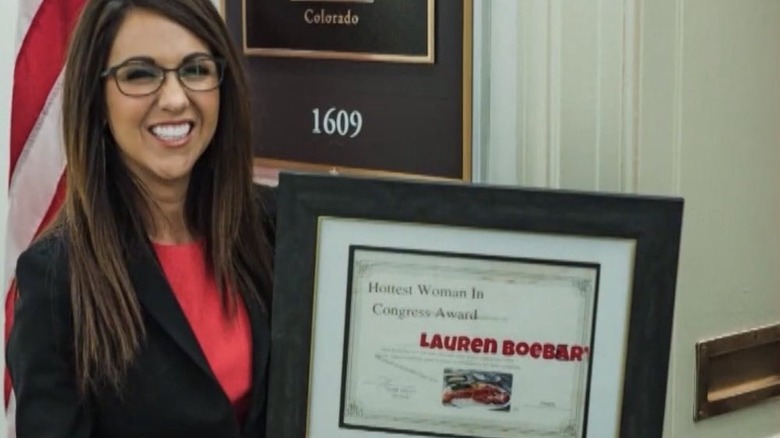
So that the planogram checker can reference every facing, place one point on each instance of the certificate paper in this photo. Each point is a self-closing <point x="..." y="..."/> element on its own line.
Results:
<point x="466" y="345"/>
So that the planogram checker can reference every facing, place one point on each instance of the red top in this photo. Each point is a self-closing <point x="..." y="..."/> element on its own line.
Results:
<point x="225" y="341"/>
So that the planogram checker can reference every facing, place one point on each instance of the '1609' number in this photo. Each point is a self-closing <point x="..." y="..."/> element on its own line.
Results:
<point x="337" y="121"/>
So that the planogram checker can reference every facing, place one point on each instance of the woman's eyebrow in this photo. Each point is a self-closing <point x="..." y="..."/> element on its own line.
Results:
<point x="145" y="59"/>
<point x="150" y="60"/>
<point x="195" y="55"/>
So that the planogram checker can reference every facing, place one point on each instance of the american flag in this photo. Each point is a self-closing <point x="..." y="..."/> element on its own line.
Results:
<point x="37" y="160"/>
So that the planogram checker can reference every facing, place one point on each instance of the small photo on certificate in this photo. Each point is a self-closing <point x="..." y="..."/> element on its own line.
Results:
<point x="477" y="389"/>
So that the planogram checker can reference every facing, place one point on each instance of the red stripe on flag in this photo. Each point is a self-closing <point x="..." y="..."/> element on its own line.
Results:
<point x="10" y="298"/>
<point x="38" y="64"/>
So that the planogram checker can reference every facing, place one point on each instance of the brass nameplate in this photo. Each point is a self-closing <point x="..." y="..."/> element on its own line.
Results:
<point x="737" y="370"/>
<point x="355" y="30"/>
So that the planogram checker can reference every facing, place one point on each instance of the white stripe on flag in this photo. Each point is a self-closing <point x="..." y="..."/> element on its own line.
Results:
<point x="26" y="13"/>
<point x="10" y="416"/>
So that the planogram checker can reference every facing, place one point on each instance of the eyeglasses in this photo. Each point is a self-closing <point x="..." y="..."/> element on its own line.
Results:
<point x="140" y="77"/>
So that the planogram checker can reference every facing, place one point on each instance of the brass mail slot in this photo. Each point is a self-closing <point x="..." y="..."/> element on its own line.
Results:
<point x="736" y="371"/>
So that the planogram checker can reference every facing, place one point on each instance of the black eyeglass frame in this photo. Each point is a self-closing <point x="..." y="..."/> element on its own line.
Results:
<point x="219" y="62"/>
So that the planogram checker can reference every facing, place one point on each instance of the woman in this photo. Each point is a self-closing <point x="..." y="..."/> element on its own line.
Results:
<point x="143" y="311"/>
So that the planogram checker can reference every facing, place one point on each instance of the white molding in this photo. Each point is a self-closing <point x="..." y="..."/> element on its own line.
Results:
<point x="480" y="89"/>
<point x="501" y="156"/>
<point x="679" y="56"/>
<point x="554" y="95"/>
<point x="599" y="150"/>
<point x="534" y="92"/>
<point x="528" y="133"/>
<point x="629" y="181"/>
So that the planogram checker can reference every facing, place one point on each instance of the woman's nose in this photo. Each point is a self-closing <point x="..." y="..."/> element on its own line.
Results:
<point x="173" y="96"/>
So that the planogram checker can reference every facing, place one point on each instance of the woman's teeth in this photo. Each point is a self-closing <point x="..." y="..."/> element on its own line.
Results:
<point x="171" y="132"/>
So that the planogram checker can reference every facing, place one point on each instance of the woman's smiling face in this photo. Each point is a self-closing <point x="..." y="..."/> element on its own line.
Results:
<point x="160" y="135"/>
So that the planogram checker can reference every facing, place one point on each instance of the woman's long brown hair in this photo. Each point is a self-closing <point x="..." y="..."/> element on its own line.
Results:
<point x="106" y="212"/>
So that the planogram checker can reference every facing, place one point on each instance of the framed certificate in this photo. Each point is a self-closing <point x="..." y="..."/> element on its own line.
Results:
<point x="437" y="309"/>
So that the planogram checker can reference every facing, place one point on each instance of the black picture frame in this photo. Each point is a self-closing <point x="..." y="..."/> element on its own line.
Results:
<point x="652" y="223"/>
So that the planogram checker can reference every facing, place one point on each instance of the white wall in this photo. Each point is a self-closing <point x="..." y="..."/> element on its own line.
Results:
<point x="725" y="154"/>
<point x="676" y="97"/>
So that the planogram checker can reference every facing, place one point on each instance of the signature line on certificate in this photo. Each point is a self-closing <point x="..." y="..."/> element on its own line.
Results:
<point x="404" y="368"/>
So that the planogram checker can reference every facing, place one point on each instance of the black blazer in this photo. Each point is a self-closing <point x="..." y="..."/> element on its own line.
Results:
<point x="170" y="391"/>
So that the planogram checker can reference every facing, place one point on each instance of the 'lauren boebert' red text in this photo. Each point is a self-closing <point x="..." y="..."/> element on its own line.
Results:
<point x="534" y="350"/>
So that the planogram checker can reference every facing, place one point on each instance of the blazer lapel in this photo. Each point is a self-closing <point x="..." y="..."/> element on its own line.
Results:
<point x="155" y="295"/>
<point x="254" y="424"/>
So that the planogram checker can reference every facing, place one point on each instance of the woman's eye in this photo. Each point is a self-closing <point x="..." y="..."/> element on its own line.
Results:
<point x="197" y="69"/>
<point x="137" y="73"/>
